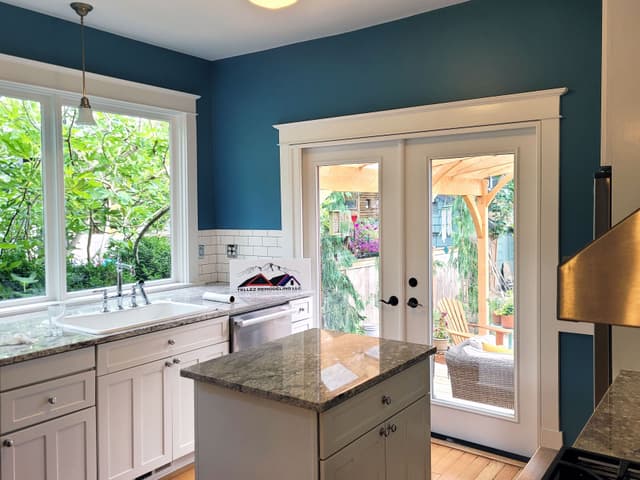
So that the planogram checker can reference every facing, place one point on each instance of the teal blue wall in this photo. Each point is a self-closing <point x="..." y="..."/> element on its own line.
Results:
<point x="476" y="49"/>
<point x="27" y="34"/>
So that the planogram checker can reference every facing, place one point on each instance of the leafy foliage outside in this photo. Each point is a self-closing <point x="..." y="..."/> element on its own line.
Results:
<point x="342" y="306"/>
<point x="117" y="197"/>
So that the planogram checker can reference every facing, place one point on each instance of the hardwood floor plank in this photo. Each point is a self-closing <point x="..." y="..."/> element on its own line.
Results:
<point x="448" y="462"/>
<point x="490" y="471"/>
<point x="508" y="472"/>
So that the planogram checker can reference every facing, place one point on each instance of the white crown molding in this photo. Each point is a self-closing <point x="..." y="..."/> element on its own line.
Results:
<point x="519" y="107"/>
<point x="45" y="77"/>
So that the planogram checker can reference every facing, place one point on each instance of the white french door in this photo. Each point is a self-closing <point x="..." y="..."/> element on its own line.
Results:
<point x="404" y="168"/>
<point x="469" y="165"/>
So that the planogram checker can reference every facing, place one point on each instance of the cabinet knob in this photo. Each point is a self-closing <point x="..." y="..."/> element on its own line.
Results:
<point x="168" y="364"/>
<point x="7" y="443"/>
<point x="176" y="361"/>
<point x="383" y="431"/>
<point x="386" y="400"/>
<point x="393" y="428"/>
<point x="171" y="341"/>
<point x="52" y="400"/>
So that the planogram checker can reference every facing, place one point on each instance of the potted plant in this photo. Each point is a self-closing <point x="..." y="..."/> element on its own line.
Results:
<point x="495" y="306"/>
<point x="440" y="336"/>
<point x="507" y="310"/>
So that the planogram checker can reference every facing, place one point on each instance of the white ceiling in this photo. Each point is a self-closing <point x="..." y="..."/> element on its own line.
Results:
<point x="215" y="29"/>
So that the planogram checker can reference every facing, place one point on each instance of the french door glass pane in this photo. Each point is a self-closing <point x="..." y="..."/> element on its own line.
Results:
<point x="472" y="225"/>
<point x="22" y="256"/>
<point x="349" y="206"/>
<point x="117" y="198"/>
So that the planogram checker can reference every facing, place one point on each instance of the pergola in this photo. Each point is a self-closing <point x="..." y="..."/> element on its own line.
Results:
<point x="469" y="177"/>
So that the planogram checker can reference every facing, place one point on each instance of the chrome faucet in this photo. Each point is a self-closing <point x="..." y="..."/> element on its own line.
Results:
<point x="119" y="269"/>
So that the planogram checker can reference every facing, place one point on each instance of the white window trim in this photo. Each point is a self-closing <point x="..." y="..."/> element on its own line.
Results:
<point x="54" y="86"/>
<point x="539" y="106"/>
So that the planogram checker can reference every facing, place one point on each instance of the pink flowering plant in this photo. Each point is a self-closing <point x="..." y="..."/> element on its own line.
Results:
<point x="366" y="242"/>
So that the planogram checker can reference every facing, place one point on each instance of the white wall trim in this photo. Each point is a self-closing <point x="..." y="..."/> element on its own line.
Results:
<point x="542" y="106"/>
<point x="57" y="79"/>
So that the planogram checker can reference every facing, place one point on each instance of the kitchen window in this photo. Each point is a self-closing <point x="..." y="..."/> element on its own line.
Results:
<point x="74" y="199"/>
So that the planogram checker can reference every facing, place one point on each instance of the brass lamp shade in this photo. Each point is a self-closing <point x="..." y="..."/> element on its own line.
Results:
<point x="601" y="283"/>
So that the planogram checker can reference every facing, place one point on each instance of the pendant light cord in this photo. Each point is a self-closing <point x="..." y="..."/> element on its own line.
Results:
<point x="83" y="61"/>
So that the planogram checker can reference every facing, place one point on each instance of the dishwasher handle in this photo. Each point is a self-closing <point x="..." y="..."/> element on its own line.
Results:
<point x="263" y="318"/>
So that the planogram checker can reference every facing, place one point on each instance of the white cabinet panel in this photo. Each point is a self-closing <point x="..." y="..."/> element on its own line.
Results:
<point x="134" y="422"/>
<point x="408" y="443"/>
<point x="60" y="449"/>
<point x="364" y="458"/>
<point x="183" y="398"/>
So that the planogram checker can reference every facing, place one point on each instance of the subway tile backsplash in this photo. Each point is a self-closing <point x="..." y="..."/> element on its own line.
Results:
<point x="214" y="266"/>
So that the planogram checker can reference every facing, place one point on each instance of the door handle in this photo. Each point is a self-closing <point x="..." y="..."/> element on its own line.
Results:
<point x="413" y="303"/>
<point x="393" y="301"/>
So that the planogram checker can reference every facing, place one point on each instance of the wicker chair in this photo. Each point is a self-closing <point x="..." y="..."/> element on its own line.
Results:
<point x="480" y="376"/>
<point x="457" y="325"/>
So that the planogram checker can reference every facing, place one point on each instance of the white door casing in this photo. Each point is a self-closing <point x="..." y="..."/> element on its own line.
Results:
<point x="483" y="114"/>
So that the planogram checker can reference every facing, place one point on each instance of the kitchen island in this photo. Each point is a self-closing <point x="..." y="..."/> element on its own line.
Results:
<point x="315" y="405"/>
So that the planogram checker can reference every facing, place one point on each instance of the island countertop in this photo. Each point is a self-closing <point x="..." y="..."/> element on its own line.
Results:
<point x="614" y="427"/>
<point x="315" y="369"/>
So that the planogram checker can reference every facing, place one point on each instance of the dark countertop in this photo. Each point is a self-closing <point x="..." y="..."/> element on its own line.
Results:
<point x="315" y="369"/>
<point x="35" y="326"/>
<point x="614" y="427"/>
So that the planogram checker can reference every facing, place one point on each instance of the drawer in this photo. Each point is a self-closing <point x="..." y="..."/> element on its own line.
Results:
<point x="303" y="308"/>
<point x="341" y="425"/>
<point x="301" y="326"/>
<point x="46" y="368"/>
<point x="30" y="405"/>
<point x="130" y="352"/>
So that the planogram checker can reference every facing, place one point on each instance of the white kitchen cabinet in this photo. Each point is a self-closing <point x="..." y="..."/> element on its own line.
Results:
<point x="146" y="415"/>
<point x="183" y="398"/>
<point x="396" y="449"/>
<point x="134" y="421"/>
<point x="302" y="316"/>
<point x="60" y="449"/>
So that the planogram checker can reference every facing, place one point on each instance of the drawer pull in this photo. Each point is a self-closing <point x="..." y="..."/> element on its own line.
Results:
<point x="301" y="309"/>
<point x="171" y="341"/>
<point x="7" y="443"/>
<point x="393" y="428"/>
<point x="52" y="400"/>
<point x="168" y="364"/>
<point x="176" y="361"/>
<point x="386" y="400"/>
<point x="384" y="432"/>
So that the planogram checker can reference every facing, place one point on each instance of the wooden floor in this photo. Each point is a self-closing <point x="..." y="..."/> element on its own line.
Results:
<point x="447" y="463"/>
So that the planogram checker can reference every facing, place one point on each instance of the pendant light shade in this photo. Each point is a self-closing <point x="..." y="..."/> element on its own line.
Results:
<point x="273" y="4"/>
<point x="85" y="115"/>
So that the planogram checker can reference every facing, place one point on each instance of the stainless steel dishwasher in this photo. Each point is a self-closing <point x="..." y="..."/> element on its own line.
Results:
<point x="253" y="328"/>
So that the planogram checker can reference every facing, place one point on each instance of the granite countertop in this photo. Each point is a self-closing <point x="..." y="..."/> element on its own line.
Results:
<point x="315" y="369"/>
<point x="614" y="427"/>
<point x="35" y="325"/>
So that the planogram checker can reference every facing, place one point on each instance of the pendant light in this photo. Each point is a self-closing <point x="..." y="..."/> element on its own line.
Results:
<point x="273" y="4"/>
<point x="85" y="115"/>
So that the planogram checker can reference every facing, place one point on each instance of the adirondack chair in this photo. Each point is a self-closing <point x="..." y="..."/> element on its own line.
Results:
<point x="458" y="327"/>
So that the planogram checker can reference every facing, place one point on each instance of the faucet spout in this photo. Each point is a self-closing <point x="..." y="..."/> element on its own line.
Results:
<point x="120" y="267"/>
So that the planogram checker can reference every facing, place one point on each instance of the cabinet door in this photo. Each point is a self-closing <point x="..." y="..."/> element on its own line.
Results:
<point x="363" y="458"/>
<point x="134" y="421"/>
<point x="61" y="449"/>
<point x="408" y="456"/>
<point x="183" y="398"/>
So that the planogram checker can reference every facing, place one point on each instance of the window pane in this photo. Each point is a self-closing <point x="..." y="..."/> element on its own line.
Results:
<point x="21" y="216"/>
<point x="117" y="199"/>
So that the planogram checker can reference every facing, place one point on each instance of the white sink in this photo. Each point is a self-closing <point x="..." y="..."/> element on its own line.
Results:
<point x="99" y="323"/>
